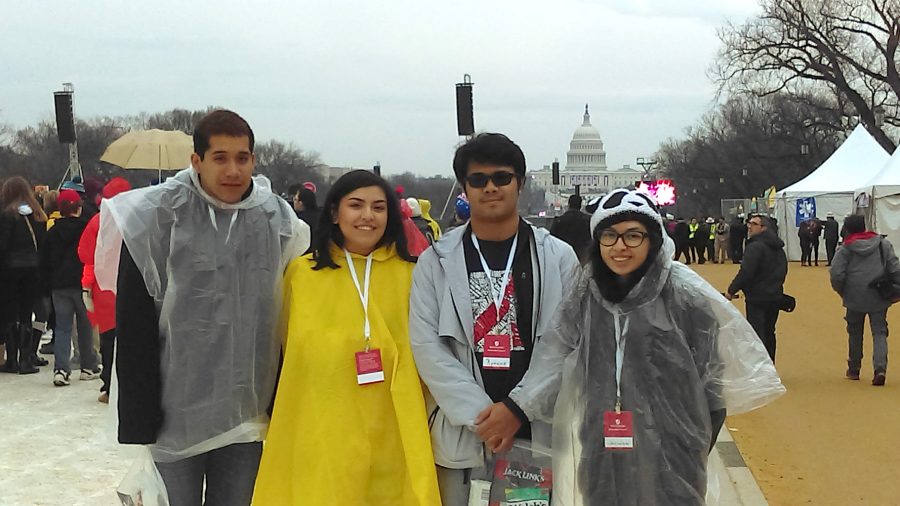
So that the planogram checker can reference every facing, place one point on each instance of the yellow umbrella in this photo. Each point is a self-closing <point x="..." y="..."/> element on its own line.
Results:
<point x="151" y="149"/>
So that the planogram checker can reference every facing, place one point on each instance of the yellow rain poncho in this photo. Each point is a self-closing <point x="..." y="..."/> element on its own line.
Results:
<point x="426" y="213"/>
<point x="332" y="441"/>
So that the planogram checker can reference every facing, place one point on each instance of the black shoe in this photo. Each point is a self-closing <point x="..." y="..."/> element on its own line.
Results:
<point x="47" y="349"/>
<point x="12" y="350"/>
<point x="39" y="361"/>
<point x="879" y="379"/>
<point x="25" y="364"/>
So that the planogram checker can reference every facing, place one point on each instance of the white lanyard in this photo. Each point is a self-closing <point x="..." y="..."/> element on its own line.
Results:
<point x="620" y="359"/>
<point x="498" y="298"/>
<point x="363" y="292"/>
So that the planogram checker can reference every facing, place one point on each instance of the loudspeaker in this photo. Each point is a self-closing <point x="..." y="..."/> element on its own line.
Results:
<point x="578" y="190"/>
<point x="65" y="121"/>
<point x="465" y="121"/>
<point x="376" y="169"/>
<point x="556" y="173"/>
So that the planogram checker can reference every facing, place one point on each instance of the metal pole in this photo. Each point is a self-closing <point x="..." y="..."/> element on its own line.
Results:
<point x="74" y="166"/>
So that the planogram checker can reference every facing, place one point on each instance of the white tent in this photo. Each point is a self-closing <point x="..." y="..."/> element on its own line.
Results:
<point x="882" y="194"/>
<point x="831" y="186"/>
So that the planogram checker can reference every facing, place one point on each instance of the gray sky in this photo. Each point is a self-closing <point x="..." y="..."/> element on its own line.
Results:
<point x="360" y="81"/>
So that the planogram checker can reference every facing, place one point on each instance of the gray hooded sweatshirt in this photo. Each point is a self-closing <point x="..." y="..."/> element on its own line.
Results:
<point x="857" y="264"/>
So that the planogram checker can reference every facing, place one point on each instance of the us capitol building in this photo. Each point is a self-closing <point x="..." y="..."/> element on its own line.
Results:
<point x="585" y="166"/>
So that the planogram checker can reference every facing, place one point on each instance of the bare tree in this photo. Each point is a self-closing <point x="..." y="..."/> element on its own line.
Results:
<point x="847" y="47"/>
<point x="747" y="145"/>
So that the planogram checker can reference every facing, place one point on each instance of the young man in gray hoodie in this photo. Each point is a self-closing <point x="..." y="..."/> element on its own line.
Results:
<point x="864" y="257"/>
<point x="482" y="297"/>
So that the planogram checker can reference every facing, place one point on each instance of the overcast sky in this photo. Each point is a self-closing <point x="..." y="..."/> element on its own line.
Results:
<point x="360" y="81"/>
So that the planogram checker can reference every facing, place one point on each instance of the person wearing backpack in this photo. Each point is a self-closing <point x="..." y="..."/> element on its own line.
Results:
<point x="864" y="257"/>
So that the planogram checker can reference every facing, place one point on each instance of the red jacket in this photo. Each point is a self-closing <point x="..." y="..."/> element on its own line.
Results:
<point x="104" y="314"/>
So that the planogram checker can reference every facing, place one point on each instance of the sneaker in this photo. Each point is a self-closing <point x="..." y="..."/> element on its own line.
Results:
<point x="90" y="375"/>
<point x="853" y="374"/>
<point x="104" y="398"/>
<point x="60" y="378"/>
<point x="879" y="379"/>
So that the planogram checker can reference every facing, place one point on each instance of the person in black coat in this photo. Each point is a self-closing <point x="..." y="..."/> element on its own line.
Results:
<point x="682" y="239"/>
<point x="831" y="236"/>
<point x="63" y="268"/>
<point x="574" y="227"/>
<point x="761" y="278"/>
<point x="22" y="227"/>
<point x="736" y="238"/>
<point x="307" y="209"/>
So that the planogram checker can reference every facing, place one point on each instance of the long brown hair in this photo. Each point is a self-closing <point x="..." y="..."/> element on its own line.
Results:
<point x="16" y="191"/>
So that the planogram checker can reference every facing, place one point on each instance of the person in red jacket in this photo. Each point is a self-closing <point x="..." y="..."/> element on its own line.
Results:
<point x="101" y="304"/>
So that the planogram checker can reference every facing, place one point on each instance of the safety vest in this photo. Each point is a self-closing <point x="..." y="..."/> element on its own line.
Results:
<point x="712" y="231"/>
<point x="693" y="229"/>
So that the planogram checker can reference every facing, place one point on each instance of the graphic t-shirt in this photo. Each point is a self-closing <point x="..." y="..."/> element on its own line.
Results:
<point x="515" y="315"/>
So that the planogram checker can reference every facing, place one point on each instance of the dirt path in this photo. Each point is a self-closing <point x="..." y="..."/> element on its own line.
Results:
<point x="829" y="441"/>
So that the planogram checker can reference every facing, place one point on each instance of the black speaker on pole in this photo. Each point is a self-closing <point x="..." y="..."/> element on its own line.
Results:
<point x="555" y="172"/>
<point x="65" y="120"/>
<point x="465" y="120"/>
<point x="377" y="169"/>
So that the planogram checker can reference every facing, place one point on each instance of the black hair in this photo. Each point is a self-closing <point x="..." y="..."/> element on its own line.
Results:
<point x="328" y="232"/>
<point x="308" y="199"/>
<point x="575" y="202"/>
<point x="293" y="189"/>
<point x="220" y="122"/>
<point x="855" y="223"/>
<point x="612" y="287"/>
<point x="489" y="148"/>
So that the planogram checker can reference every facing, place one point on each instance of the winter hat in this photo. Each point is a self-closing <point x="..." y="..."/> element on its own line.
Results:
<point x="592" y="205"/>
<point x="623" y="205"/>
<point x="462" y="206"/>
<point x="68" y="197"/>
<point x="414" y="205"/>
<point x="115" y="186"/>
<point x="73" y="185"/>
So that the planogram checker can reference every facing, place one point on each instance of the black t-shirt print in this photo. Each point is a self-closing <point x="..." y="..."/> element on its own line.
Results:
<point x="515" y="318"/>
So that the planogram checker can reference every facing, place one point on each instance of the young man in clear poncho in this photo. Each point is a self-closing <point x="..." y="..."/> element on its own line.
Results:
<point x="198" y="300"/>
<point x="646" y="358"/>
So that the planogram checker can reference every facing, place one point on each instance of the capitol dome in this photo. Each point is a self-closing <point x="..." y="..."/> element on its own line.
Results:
<point x="586" y="149"/>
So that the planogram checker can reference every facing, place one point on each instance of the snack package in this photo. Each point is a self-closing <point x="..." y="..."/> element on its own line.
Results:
<point x="522" y="476"/>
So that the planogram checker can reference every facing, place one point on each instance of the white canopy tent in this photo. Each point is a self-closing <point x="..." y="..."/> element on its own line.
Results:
<point x="882" y="194"/>
<point x="831" y="186"/>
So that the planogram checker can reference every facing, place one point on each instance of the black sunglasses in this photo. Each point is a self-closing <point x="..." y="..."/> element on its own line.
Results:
<point x="480" y="180"/>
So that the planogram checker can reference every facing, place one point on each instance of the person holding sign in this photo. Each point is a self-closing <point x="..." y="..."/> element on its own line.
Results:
<point x="482" y="298"/>
<point x="349" y="424"/>
<point x="646" y="357"/>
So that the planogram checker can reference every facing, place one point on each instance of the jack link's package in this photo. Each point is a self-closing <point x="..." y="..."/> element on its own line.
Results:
<point x="522" y="476"/>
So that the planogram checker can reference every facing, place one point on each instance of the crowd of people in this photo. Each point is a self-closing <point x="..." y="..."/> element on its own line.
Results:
<point x="281" y="351"/>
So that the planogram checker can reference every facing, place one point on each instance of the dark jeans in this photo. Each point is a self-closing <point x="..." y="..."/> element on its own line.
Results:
<point x="683" y="249"/>
<point x="699" y="251"/>
<point x="69" y="305"/>
<point x="107" y="349"/>
<point x="878" y="323"/>
<point x="229" y="474"/>
<point x="711" y="250"/>
<point x="737" y="251"/>
<point x="814" y="248"/>
<point x="830" y="247"/>
<point x="805" y="250"/>
<point x="762" y="317"/>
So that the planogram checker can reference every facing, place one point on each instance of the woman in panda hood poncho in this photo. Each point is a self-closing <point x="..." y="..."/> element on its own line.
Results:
<point x="646" y="358"/>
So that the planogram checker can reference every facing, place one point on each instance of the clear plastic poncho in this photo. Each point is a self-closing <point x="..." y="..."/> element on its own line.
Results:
<point x="215" y="273"/>
<point x="688" y="353"/>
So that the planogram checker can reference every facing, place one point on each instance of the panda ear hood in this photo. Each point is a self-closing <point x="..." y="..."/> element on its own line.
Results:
<point x="621" y="205"/>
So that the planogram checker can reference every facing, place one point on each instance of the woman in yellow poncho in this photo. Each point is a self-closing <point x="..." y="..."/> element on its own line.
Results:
<point x="346" y="430"/>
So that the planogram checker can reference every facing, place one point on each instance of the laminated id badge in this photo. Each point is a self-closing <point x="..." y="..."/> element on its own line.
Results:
<point x="618" y="430"/>
<point x="497" y="348"/>
<point x="368" y="367"/>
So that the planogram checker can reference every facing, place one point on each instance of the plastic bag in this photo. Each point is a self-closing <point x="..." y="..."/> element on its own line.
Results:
<point x="143" y="485"/>
<point x="522" y="476"/>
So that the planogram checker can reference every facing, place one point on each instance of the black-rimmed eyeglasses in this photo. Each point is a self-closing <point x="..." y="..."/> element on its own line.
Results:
<point x="631" y="238"/>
